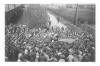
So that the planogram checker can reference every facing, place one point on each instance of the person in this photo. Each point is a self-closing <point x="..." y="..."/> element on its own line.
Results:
<point x="32" y="56"/>
<point x="70" y="58"/>
<point x="61" y="60"/>
<point x="6" y="58"/>
<point x="13" y="55"/>
<point x="19" y="57"/>
<point x="42" y="58"/>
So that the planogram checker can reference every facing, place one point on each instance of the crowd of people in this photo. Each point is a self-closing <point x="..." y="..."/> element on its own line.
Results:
<point x="23" y="44"/>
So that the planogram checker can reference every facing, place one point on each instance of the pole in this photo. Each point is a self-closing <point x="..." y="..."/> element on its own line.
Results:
<point x="76" y="15"/>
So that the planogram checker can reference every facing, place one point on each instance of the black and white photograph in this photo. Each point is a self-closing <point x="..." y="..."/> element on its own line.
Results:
<point x="50" y="32"/>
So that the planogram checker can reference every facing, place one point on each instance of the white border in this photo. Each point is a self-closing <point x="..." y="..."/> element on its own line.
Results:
<point x="45" y="1"/>
<point x="2" y="26"/>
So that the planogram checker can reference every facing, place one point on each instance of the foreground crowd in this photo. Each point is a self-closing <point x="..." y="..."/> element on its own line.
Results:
<point x="23" y="44"/>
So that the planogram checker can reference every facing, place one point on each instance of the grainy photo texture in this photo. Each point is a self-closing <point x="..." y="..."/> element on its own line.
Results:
<point x="50" y="33"/>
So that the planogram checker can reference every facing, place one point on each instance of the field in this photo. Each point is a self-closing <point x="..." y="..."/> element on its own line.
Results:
<point x="84" y="14"/>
